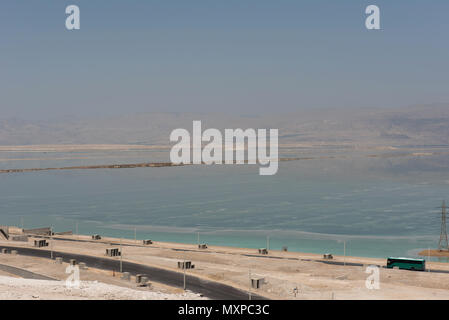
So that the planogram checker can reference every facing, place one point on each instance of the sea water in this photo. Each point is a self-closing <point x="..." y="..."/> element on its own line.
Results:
<point x="374" y="207"/>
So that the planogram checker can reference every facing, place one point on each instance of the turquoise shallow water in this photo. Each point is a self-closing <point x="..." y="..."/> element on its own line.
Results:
<point x="310" y="206"/>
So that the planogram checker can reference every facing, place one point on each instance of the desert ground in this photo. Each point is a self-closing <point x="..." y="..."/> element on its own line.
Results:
<point x="95" y="284"/>
<point x="287" y="275"/>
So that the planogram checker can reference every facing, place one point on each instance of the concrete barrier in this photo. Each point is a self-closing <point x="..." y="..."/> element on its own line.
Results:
<point x="257" y="283"/>
<point x="113" y="252"/>
<point x="139" y="278"/>
<point x="40" y="243"/>
<point x="185" y="264"/>
<point x="126" y="276"/>
<point x="143" y="282"/>
<point x="23" y="238"/>
<point x="39" y="231"/>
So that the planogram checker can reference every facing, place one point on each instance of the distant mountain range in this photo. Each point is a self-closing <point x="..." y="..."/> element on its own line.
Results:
<point x="410" y="126"/>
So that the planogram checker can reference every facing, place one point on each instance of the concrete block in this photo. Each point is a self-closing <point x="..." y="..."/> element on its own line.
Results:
<point x="257" y="283"/>
<point x="40" y="243"/>
<point x="139" y="278"/>
<point x="185" y="264"/>
<point x="23" y="238"/>
<point x="143" y="281"/>
<point x="113" y="252"/>
<point x="126" y="276"/>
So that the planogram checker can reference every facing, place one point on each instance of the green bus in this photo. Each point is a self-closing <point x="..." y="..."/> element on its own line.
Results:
<point x="407" y="263"/>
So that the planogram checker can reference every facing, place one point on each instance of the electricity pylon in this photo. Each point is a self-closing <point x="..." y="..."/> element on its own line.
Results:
<point x="443" y="244"/>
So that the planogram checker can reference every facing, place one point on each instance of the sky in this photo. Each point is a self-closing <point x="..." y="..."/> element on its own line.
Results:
<point x="234" y="56"/>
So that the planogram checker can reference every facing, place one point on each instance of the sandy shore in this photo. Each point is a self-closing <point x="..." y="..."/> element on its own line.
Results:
<point x="94" y="283"/>
<point x="434" y="253"/>
<point x="287" y="275"/>
<point x="12" y="288"/>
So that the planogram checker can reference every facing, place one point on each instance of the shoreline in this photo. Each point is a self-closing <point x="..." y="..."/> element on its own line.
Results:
<point x="434" y="253"/>
<point x="361" y="246"/>
<point x="295" y="241"/>
<point x="229" y="249"/>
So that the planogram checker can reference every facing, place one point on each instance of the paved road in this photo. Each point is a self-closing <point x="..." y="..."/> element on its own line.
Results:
<point x="210" y="289"/>
<point x="23" y="273"/>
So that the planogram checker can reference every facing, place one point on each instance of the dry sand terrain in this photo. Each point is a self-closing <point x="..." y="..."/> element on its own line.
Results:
<point x="12" y="288"/>
<point x="95" y="284"/>
<point x="282" y="271"/>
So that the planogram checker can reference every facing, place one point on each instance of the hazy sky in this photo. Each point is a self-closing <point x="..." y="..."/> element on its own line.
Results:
<point x="236" y="55"/>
